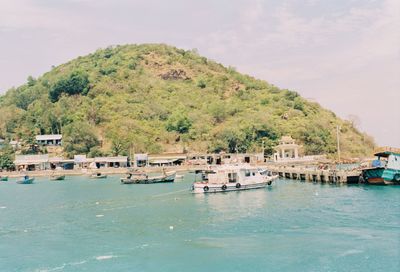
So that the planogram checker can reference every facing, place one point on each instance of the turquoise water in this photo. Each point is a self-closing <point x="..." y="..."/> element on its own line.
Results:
<point x="100" y="225"/>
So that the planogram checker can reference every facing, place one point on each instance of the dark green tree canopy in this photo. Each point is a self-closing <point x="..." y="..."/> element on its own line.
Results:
<point x="76" y="83"/>
<point x="79" y="138"/>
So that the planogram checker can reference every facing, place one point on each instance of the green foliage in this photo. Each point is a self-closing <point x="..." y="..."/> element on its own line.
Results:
<point x="206" y="107"/>
<point x="79" y="138"/>
<point x="179" y="122"/>
<point x="6" y="158"/>
<point x="76" y="83"/>
<point x="201" y="84"/>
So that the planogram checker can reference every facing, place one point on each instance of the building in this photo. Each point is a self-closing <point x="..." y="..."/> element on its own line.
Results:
<point x="166" y="159"/>
<point x="15" y="145"/>
<point x="49" y="139"/>
<point x="224" y="158"/>
<point x="82" y="162"/>
<point x="111" y="162"/>
<point x="140" y="160"/>
<point x="41" y="162"/>
<point x="32" y="162"/>
<point x="286" y="150"/>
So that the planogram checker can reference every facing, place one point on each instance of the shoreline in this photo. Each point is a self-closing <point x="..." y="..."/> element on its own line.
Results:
<point x="108" y="171"/>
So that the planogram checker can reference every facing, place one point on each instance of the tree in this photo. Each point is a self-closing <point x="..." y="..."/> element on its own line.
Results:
<point x="6" y="158"/>
<point x="76" y="83"/>
<point x="179" y="122"/>
<point x="79" y="138"/>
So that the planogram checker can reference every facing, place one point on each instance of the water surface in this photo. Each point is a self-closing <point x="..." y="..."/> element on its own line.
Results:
<point x="99" y="225"/>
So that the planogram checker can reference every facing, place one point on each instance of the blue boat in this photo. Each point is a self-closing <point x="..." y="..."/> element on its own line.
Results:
<point x="385" y="171"/>
<point x="25" y="180"/>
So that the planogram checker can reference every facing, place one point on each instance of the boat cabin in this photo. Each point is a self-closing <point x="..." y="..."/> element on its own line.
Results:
<point x="235" y="175"/>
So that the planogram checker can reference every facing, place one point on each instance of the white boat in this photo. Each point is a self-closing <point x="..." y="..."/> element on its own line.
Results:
<point x="234" y="178"/>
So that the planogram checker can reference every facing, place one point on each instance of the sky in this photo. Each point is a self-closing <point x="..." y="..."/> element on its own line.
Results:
<point x="343" y="54"/>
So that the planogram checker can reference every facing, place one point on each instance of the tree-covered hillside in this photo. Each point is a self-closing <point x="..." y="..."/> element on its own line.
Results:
<point x="157" y="98"/>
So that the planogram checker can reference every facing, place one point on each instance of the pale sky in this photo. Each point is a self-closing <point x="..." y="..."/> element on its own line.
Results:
<point x="344" y="54"/>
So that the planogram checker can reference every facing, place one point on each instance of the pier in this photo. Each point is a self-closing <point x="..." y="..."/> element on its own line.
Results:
<point x="316" y="175"/>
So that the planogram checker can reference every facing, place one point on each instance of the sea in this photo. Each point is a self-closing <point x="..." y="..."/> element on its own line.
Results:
<point x="81" y="224"/>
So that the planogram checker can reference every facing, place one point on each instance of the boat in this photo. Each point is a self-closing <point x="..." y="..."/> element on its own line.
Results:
<point x="385" y="170"/>
<point x="57" y="177"/>
<point x="234" y="178"/>
<point x="143" y="178"/>
<point x="203" y="174"/>
<point x="98" y="176"/>
<point x="25" y="180"/>
<point x="3" y="178"/>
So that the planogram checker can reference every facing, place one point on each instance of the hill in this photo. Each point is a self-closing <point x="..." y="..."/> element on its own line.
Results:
<point x="157" y="98"/>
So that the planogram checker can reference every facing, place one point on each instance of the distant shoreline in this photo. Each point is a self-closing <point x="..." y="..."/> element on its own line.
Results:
<point x="108" y="171"/>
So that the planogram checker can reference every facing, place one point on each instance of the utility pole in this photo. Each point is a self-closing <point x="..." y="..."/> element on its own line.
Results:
<point x="338" y="141"/>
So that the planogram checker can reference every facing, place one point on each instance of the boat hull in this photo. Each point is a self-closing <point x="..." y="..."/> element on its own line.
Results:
<point x="25" y="181"/>
<point x="373" y="176"/>
<point x="391" y="177"/>
<point x="204" y="187"/>
<point x="3" y="178"/>
<point x="98" y="177"/>
<point x="57" y="178"/>
<point x="167" y="179"/>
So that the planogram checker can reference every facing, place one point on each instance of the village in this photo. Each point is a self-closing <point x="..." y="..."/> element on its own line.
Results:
<point x="287" y="162"/>
<point x="286" y="152"/>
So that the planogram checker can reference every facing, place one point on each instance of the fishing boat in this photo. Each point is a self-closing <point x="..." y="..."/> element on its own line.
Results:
<point x="98" y="176"/>
<point x="385" y="170"/>
<point x="143" y="178"/>
<point x="3" y="178"/>
<point x="25" y="180"/>
<point x="57" y="177"/>
<point x="234" y="178"/>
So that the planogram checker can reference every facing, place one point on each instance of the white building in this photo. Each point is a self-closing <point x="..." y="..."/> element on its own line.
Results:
<point x="49" y="139"/>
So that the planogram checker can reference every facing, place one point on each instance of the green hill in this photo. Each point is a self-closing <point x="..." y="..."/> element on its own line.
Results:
<point x="157" y="98"/>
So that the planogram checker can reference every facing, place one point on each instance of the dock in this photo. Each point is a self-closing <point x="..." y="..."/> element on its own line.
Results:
<point x="317" y="175"/>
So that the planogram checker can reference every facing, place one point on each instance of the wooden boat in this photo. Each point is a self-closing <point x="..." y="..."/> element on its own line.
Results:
<point x="234" y="178"/>
<point x="3" y="178"/>
<point x="98" y="176"/>
<point x="25" y="180"/>
<point x="143" y="178"/>
<point x="383" y="172"/>
<point x="57" y="177"/>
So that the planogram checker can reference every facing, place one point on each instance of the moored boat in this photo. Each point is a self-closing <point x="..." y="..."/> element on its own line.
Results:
<point x="384" y="171"/>
<point x="57" y="177"/>
<point x="25" y="180"/>
<point x="143" y="178"/>
<point x="234" y="178"/>
<point x="3" y="178"/>
<point x="98" y="176"/>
